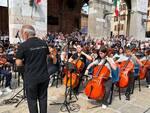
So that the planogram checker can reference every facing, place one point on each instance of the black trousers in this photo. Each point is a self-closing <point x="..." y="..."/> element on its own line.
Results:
<point x="76" y="89"/>
<point x="130" y="84"/>
<point x="108" y="86"/>
<point x="148" y="77"/>
<point x="52" y="69"/>
<point x="37" y="92"/>
<point x="7" y="75"/>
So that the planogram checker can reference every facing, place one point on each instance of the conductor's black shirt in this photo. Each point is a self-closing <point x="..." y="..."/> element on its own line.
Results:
<point x="34" y="53"/>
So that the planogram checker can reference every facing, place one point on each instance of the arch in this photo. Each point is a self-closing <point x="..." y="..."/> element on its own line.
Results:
<point x="128" y="2"/>
<point x="4" y="22"/>
<point x="64" y="15"/>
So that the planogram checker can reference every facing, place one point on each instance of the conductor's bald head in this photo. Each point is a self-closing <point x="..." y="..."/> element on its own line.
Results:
<point x="27" y="31"/>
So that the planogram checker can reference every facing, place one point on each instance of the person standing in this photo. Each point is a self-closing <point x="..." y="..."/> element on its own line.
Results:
<point x="32" y="54"/>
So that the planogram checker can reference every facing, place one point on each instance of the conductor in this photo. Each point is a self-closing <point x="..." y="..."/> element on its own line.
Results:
<point x="32" y="54"/>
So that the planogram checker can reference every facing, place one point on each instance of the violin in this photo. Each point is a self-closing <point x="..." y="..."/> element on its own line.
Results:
<point x="3" y="60"/>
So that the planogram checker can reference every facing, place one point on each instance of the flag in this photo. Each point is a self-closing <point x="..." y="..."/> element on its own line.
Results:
<point x="38" y="1"/>
<point x="117" y="5"/>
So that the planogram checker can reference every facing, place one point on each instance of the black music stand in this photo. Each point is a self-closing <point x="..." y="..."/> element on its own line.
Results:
<point x="15" y="99"/>
<point x="66" y="103"/>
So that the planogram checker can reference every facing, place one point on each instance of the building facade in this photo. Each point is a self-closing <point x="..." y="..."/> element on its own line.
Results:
<point x="119" y="23"/>
<point x="148" y="20"/>
<point x="64" y="15"/>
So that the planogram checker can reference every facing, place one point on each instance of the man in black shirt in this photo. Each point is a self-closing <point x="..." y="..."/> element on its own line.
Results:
<point x="32" y="54"/>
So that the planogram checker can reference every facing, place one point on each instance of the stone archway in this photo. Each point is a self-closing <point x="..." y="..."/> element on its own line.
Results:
<point x="64" y="15"/>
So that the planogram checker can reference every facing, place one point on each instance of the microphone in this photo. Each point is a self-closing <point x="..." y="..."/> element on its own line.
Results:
<point x="17" y="34"/>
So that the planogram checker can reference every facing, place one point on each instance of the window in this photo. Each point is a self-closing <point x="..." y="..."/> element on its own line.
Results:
<point x="148" y="3"/>
<point x="116" y="18"/>
<point x="118" y="27"/>
<point x="115" y="28"/>
<point x="148" y="13"/>
<point x="124" y="6"/>
<point x="122" y="26"/>
<point x="120" y="7"/>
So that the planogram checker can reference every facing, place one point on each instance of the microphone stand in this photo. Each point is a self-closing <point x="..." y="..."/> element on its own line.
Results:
<point x="66" y="105"/>
<point x="17" y="36"/>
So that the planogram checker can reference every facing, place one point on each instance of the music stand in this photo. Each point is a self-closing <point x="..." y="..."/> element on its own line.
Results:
<point x="15" y="99"/>
<point x="20" y="70"/>
<point x="66" y="104"/>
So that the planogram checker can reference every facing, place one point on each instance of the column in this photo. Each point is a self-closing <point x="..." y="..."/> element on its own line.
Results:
<point x="138" y="14"/>
<point x="98" y="25"/>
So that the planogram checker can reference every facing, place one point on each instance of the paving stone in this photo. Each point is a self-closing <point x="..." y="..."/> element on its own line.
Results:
<point x="139" y="103"/>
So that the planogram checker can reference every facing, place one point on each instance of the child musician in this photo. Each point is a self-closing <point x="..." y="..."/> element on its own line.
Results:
<point x="110" y="64"/>
<point x="79" y="55"/>
<point x="128" y="55"/>
<point x="147" y="59"/>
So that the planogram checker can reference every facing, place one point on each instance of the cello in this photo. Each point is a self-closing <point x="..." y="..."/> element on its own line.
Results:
<point x="143" y="70"/>
<point x="125" y="67"/>
<point x="71" y="79"/>
<point x="79" y="65"/>
<point x="95" y="88"/>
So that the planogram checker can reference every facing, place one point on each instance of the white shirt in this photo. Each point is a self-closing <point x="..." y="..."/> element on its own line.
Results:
<point x="100" y="62"/>
<point x="122" y="58"/>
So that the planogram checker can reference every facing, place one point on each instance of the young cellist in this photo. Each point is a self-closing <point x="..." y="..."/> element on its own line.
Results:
<point x="110" y="64"/>
<point x="128" y="55"/>
<point x="83" y="57"/>
<point x="146" y="65"/>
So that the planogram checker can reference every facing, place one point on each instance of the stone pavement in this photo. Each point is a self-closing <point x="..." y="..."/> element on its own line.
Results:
<point x="139" y="103"/>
